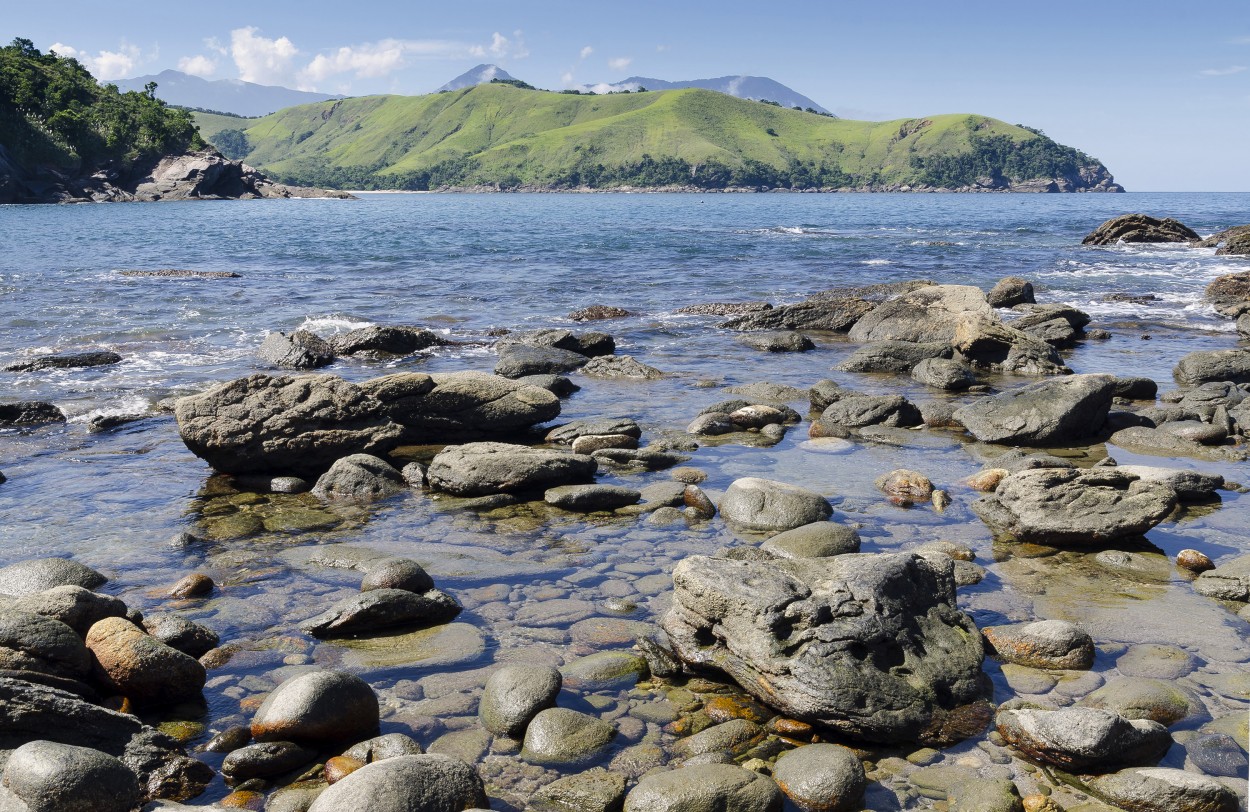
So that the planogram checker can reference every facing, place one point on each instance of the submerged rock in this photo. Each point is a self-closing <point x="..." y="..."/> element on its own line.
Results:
<point x="816" y="540"/>
<point x="1042" y="644"/>
<point x="1161" y="789"/>
<point x="562" y="736"/>
<point x="76" y="360"/>
<point x="380" y="609"/>
<point x="29" y="413"/>
<point x="871" y="646"/>
<point x="478" y="469"/>
<point x="359" y="478"/>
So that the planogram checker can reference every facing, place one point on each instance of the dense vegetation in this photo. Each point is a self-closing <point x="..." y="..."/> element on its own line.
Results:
<point x="54" y="114"/>
<point x="503" y="136"/>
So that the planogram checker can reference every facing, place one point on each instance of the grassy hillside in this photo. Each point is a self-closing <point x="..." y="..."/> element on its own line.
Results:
<point x="504" y="136"/>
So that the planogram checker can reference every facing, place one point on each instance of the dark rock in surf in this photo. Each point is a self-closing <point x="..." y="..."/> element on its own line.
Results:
<point x="599" y="312"/>
<point x="75" y="360"/>
<point x="29" y="413"/>
<point x="385" y="341"/>
<point x="460" y="405"/>
<point x="1010" y="291"/>
<point x="1138" y="228"/>
<point x="298" y="350"/>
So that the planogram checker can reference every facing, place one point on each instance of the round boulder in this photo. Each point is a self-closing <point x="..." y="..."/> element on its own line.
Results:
<point x="515" y="694"/>
<point x="397" y="573"/>
<point x="821" y="778"/>
<point x="39" y="574"/>
<point x="138" y="666"/>
<point x="1162" y="789"/>
<point x="720" y="787"/>
<point x="562" y="736"/>
<point x="763" y="506"/>
<point x="815" y="540"/>
<point x="1043" y="644"/>
<point x="52" y="777"/>
<point x="429" y="783"/>
<point x="319" y="707"/>
<point x="359" y="478"/>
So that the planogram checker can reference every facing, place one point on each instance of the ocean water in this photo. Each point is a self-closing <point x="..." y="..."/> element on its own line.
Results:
<point x="467" y="264"/>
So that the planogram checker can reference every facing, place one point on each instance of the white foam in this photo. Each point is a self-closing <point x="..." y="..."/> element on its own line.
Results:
<point x="332" y="324"/>
<point x="874" y="262"/>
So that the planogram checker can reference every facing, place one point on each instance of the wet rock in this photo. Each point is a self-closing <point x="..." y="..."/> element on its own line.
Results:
<point x="821" y="778"/>
<point x="815" y="540"/>
<point x="1230" y="294"/>
<point x="1077" y="739"/>
<point x="893" y="356"/>
<point x="1045" y="413"/>
<point x="1156" y="442"/>
<point x="1131" y="228"/>
<point x="1230" y="581"/>
<point x="723" y="308"/>
<point x="595" y="790"/>
<point x="338" y="768"/>
<point x="1160" y="789"/>
<point x="1042" y="644"/>
<point x="811" y="638"/>
<point x="1158" y="700"/>
<point x="559" y="736"/>
<point x="75" y="360"/>
<point x="359" y="478"/>
<point x="761" y="505"/>
<point x="857" y="411"/>
<point x="727" y="737"/>
<point x="604" y="670"/>
<point x="591" y="443"/>
<point x="983" y="341"/>
<point x="712" y="424"/>
<point x="298" y="350"/>
<point x="39" y="574"/>
<point x="621" y="366"/>
<point x="194" y="585"/>
<point x="778" y="341"/>
<point x="1197" y="431"/>
<point x="1135" y="388"/>
<point x="385" y="341"/>
<point x="1190" y="485"/>
<point x="229" y="740"/>
<point x="1206" y="366"/>
<point x="44" y="645"/>
<point x="37" y="713"/>
<point x="985" y="795"/>
<point x="519" y="360"/>
<point x="72" y="605"/>
<point x="599" y="312"/>
<point x="461" y="406"/>
<point x="706" y="787"/>
<point x="1010" y="291"/>
<point x="1217" y="754"/>
<point x="184" y="635"/>
<point x="430" y="783"/>
<point x="944" y="374"/>
<point x="321" y="707"/>
<point x="905" y="487"/>
<point x="52" y="777"/>
<point x="569" y="432"/>
<point x="138" y="666"/>
<point x="266" y="759"/>
<point x="834" y="315"/>
<point x="586" y="498"/>
<point x="297" y="425"/>
<point x="382" y="747"/>
<point x="1194" y="561"/>
<point x="29" y="413"/>
<point x="515" y="694"/>
<point x="588" y="344"/>
<point x="926" y="314"/>
<point x="478" y="469"/>
<point x="397" y="573"/>
<point x="380" y="609"/>
<point x="1065" y="507"/>
<point x="647" y="459"/>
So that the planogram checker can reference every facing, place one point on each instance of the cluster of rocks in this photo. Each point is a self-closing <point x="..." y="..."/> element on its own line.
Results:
<point x="395" y="592"/>
<point x="769" y="420"/>
<point x="1142" y="228"/>
<point x="303" y="349"/>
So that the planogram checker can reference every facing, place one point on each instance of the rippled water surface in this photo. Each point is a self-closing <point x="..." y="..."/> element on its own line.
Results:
<point x="531" y="578"/>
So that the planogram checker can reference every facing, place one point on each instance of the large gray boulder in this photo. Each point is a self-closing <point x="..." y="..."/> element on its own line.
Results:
<point x="923" y="315"/>
<point x="519" y="360"/>
<point x="298" y="350"/>
<point x="1207" y="366"/>
<point x="515" y="694"/>
<point x="461" y="405"/>
<point x="705" y="788"/>
<point x="1067" y="507"/>
<point x="385" y="341"/>
<point x="298" y="425"/>
<point x="478" y="469"/>
<point x="855" y="411"/>
<point x="562" y="736"/>
<point x="1130" y="228"/>
<point x="1162" y="789"/>
<point x="762" y="505"/>
<point x="31" y="713"/>
<point x="822" y="778"/>
<point x="1010" y="291"/>
<point x="425" y="783"/>
<point x="872" y="646"/>
<point x="320" y="707"/>
<point x="984" y="341"/>
<point x="38" y="574"/>
<point x="359" y="478"/>
<point x="71" y="604"/>
<point x="893" y="356"/>
<point x="1075" y="739"/>
<point x="53" y="777"/>
<point x="1045" y="413"/>
<point x="30" y="642"/>
<point x="834" y="315"/>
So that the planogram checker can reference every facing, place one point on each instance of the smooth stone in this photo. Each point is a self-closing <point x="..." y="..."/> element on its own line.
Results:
<point x="397" y="573"/>
<point x="1158" y="700"/>
<point x="815" y="540"/>
<point x="1025" y="680"/>
<point x="74" y="606"/>
<point x="1075" y="739"/>
<point x="192" y="585"/>
<point x="761" y="505"/>
<point x="447" y="645"/>
<point x="52" y="777"/>
<point x="266" y="759"/>
<point x="586" y="498"/>
<point x="726" y="737"/>
<point x="480" y="469"/>
<point x="554" y="612"/>
<point x="515" y="694"/>
<point x="359" y="478"/>
<point x="595" y="790"/>
<point x="417" y="783"/>
<point x="611" y="427"/>
<point x="39" y="574"/>
<point x="1043" y="644"/>
<point x="604" y="669"/>
<point x="778" y="341"/>
<point x="140" y="667"/>
<point x="185" y="635"/>
<point x="1156" y="661"/>
<point x="388" y="745"/>
<point x="321" y="707"/>
<point x="705" y="788"/>
<point x="589" y="444"/>
<point x="559" y="736"/>
<point x="380" y="609"/>
<point x="1217" y="754"/>
<point x="1160" y="789"/>
<point x="44" y="645"/>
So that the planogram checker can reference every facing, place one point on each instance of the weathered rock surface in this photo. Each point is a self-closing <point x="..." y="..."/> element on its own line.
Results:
<point x="1206" y="366"/>
<point x="1044" y="413"/>
<point x="562" y="736"/>
<point x="359" y="478"/>
<point x="815" y="540"/>
<point x="1080" y="738"/>
<point x="942" y="373"/>
<point x="762" y="505"/>
<point x="893" y="356"/>
<point x="53" y="777"/>
<point x="834" y="315"/>
<point x="31" y="642"/>
<point x="1230" y="294"/>
<point x="590" y="344"/>
<point x="69" y="360"/>
<point x="519" y="360"/>
<point x="385" y="341"/>
<point x="297" y="425"/>
<point x="298" y="350"/>
<point x="566" y="434"/>
<point x="595" y="790"/>
<point x="1131" y="228"/>
<point x="985" y="342"/>
<point x="266" y="759"/>
<point x="36" y="713"/>
<point x="137" y="665"/>
<point x="179" y="633"/>
<point x="778" y="341"/>
<point x="515" y="694"/>
<point x="621" y="366"/>
<point x="857" y="411"/>
<point x="1042" y="644"/>
<point x="1010" y="291"/>
<point x="599" y="312"/>
<point x="322" y="707"/>
<point x="587" y="498"/>
<point x="388" y="745"/>
<point x="1066" y="507"/>
<point x="39" y="574"/>
<point x="1230" y="581"/>
<point x="29" y="413"/>
<point x="74" y="606"/>
<point x="1190" y="485"/>
<point x="872" y="646"/>
<point x="380" y="609"/>
<point x="923" y="315"/>
<point x="478" y="469"/>
<point x="710" y="787"/>
<point x="1159" y="700"/>
<point x="1161" y="789"/>
<point x="461" y="405"/>
<point x="428" y="783"/>
<point x="821" y="778"/>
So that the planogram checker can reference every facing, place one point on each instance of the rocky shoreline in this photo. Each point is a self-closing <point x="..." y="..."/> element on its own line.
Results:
<point x="793" y="668"/>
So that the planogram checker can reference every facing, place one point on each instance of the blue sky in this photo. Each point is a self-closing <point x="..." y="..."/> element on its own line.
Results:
<point x="1160" y="92"/>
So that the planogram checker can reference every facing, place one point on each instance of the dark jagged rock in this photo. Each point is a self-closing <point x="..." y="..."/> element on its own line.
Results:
<point x="872" y="646"/>
<point x="180" y="273"/>
<point x="1233" y="241"/>
<point x="569" y="432"/>
<point x="893" y="356"/>
<point x="519" y="360"/>
<point x="298" y="350"/>
<point x="74" y="360"/>
<point x="1045" y="413"/>
<point x="29" y="413"/>
<point x="599" y="312"/>
<point x="624" y="367"/>
<point x="590" y="344"/>
<point x="834" y="315"/>
<point x="1131" y="228"/>
<point x="723" y="308"/>
<point x="461" y="405"/>
<point x="385" y="341"/>
<point x="778" y="341"/>
<point x="380" y="609"/>
<point x="1230" y="294"/>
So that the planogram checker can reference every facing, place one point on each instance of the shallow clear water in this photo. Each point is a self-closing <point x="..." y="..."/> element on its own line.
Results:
<point x="464" y="264"/>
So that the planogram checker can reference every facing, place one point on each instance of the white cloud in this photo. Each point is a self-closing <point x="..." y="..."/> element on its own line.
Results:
<point x="198" y="65"/>
<point x="587" y="51"/>
<point x="213" y="44"/>
<point x="374" y="59"/>
<point x="502" y="47"/>
<point x="566" y="78"/>
<point x="1229" y="71"/>
<point x="620" y="63"/>
<point x="105" y="65"/>
<point x="260" y="59"/>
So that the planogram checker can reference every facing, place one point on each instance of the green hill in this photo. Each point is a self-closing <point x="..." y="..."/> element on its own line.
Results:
<point x="502" y="136"/>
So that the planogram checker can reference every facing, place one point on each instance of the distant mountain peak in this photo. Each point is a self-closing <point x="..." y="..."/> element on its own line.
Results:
<point x="478" y="75"/>
<point x="759" y="88"/>
<point x="224" y="95"/>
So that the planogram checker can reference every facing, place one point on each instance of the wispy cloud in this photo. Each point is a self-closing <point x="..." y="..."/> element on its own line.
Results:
<point x="198" y="65"/>
<point x="502" y="47"/>
<point x="104" y="65"/>
<point x="261" y="59"/>
<point x="620" y="63"/>
<point x="374" y="59"/>
<point x="1228" y="71"/>
<point x="587" y="51"/>
<point x="1240" y="40"/>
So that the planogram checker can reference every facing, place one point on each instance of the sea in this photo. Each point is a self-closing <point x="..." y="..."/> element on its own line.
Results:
<point x="468" y="266"/>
